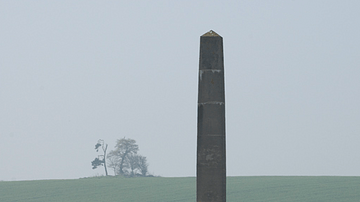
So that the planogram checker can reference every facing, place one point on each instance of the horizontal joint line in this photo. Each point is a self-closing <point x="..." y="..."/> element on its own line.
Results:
<point x="214" y="70"/>
<point x="216" y="103"/>
<point x="213" y="135"/>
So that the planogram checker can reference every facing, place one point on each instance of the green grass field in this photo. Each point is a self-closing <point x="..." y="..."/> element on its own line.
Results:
<point x="162" y="189"/>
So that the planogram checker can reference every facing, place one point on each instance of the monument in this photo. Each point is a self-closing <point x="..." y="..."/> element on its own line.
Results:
<point x="211" y="150"/>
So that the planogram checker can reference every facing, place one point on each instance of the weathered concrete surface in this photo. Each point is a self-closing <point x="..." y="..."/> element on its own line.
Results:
<point x="211" y="149"/>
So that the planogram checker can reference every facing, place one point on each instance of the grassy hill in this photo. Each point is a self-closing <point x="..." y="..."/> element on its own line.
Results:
<point x="161" y="189"/>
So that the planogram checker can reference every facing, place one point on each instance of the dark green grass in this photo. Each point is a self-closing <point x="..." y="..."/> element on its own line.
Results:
<point x="158" y="189"/>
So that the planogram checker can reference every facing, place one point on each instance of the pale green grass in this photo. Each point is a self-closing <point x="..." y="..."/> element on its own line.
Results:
<point x="294" y="189"/>
<point x="158" y="189"/>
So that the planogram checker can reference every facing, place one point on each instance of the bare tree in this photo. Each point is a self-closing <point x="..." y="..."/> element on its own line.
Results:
<point x="125" y="160"/>
<point x="100" y="160"/>
<point x="123" y="148"/>
<point x="113" y="162"/>
<point x="142" y="165"/>
<point x="132" y="160"/>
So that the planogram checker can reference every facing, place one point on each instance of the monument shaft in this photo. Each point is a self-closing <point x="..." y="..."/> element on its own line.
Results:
<point x="211" y="150"/>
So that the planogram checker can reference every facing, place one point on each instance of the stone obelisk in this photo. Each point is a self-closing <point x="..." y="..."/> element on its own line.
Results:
<point x="211" y="150"/>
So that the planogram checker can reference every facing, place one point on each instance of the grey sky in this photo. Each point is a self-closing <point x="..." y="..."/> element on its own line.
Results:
<point x="72" y="72"/>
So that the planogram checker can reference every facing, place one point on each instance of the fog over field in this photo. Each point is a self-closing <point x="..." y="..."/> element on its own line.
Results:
<point x="73" y="72"/>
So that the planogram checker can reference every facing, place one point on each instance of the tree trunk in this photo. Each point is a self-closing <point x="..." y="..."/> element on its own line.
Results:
<point x="106" y="173"/>
<point x="122" y="163"/>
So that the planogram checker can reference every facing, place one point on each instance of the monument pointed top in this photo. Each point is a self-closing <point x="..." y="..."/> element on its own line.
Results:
<point x="211" y="33"/>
